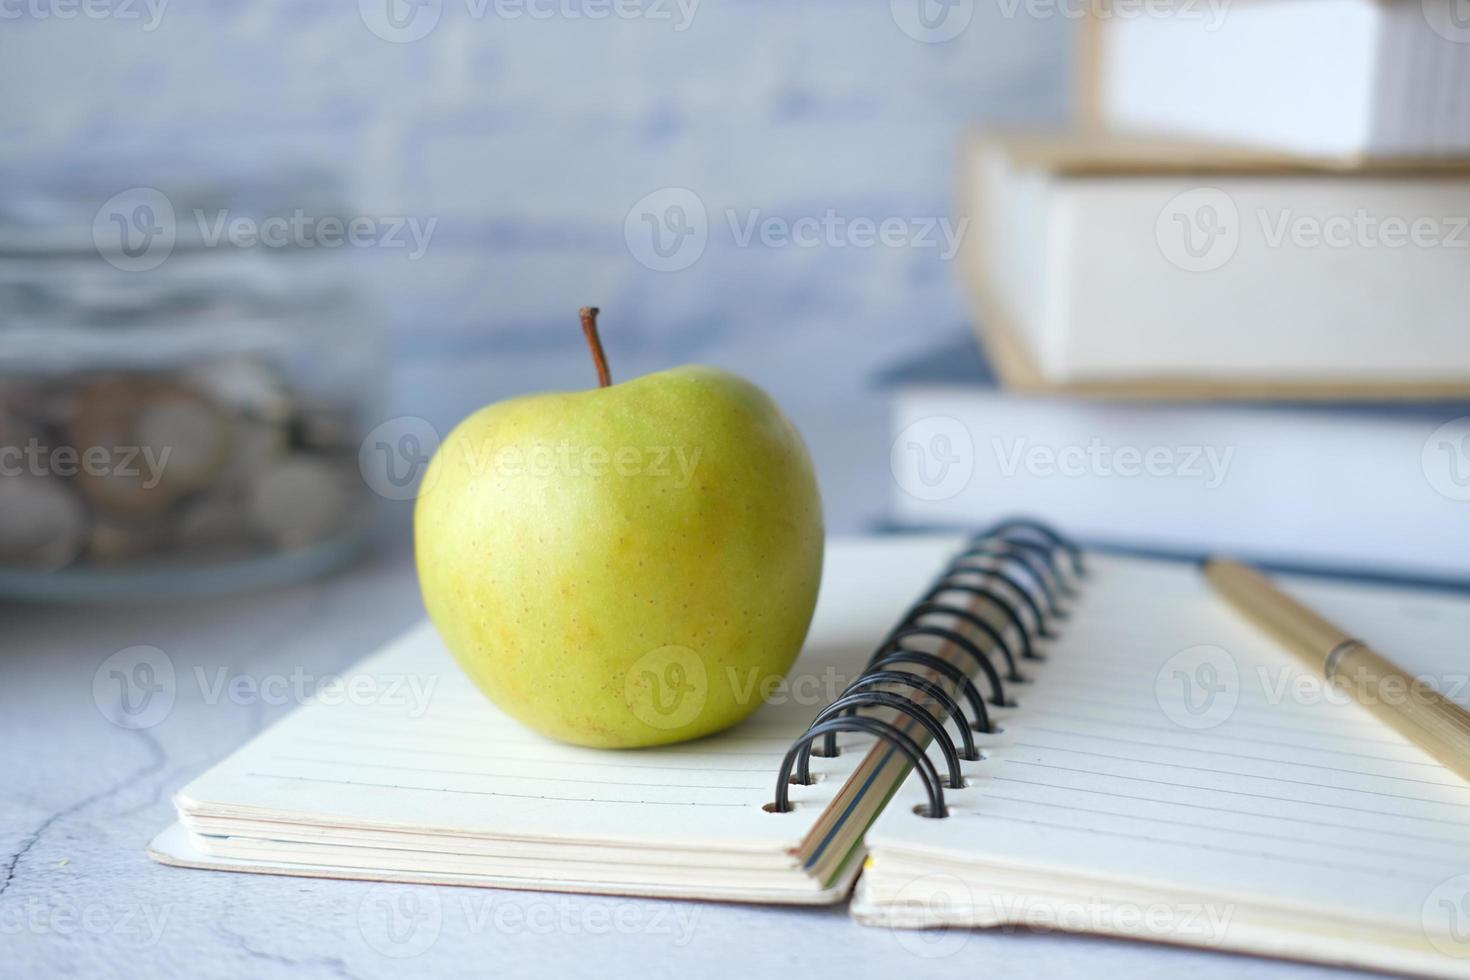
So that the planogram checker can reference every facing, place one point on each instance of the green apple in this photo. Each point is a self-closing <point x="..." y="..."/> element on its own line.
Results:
<point x="631" y="565"/>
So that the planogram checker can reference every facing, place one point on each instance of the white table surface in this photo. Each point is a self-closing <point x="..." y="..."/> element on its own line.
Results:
<point x="81" y="798"/>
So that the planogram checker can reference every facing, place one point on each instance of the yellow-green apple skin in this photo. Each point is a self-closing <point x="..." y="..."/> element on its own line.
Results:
<point x="624" y="566"/>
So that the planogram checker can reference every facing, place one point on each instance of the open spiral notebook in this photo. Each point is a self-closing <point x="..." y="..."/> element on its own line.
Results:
<point x="1133" y="760"/>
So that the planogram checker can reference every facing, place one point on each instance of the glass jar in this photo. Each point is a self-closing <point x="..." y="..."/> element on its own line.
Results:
<point x="186" y="373"/>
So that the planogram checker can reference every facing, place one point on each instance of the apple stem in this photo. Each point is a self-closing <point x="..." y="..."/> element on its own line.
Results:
<point x="589" y="327"/>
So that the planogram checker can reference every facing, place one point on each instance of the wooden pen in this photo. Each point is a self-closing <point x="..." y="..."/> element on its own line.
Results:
<point x="1410" y="706"/>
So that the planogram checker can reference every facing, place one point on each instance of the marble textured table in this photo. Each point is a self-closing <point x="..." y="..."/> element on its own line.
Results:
<point x="81" y="798"/>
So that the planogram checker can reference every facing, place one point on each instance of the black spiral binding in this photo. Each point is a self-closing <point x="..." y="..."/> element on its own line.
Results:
<point x="1020" y="555"/>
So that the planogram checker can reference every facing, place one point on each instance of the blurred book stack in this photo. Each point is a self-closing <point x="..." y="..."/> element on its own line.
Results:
<point x="1230" y="311"/>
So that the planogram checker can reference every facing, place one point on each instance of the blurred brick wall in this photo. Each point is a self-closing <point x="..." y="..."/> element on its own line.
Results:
<point x="529" y="140"/>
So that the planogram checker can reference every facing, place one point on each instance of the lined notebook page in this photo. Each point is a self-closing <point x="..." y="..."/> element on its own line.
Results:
<point x="449" y="761"/>
<point x="1167" y="745"/>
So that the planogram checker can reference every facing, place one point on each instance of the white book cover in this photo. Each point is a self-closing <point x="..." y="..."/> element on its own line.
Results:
<point x="1343" y="79"/>
<point x="1357" y="487"/>
<point x="1190" y="274"/>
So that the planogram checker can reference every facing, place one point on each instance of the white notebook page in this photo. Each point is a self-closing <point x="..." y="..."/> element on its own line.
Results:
<point x="1117" y="767"/>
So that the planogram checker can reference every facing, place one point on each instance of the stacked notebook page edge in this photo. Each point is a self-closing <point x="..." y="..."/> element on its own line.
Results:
<point x="443" y="787"/>
<point x="464" y="794"/>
